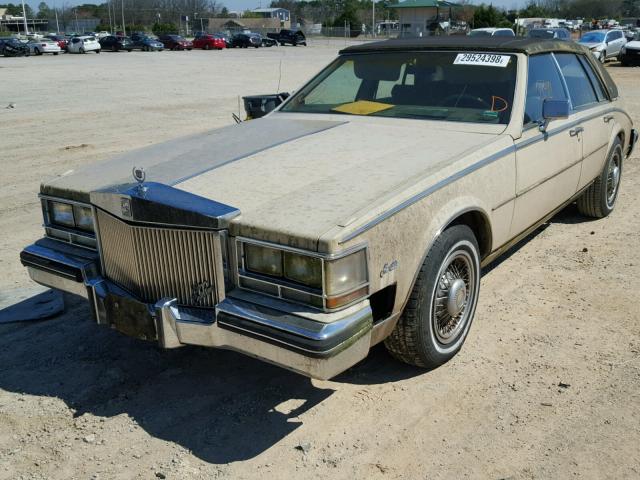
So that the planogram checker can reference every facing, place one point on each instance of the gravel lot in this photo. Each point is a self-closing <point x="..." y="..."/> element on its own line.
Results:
<point x="547" y="385"/>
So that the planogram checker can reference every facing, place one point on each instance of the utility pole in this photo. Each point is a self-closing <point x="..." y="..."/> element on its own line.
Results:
<point x="124" y="28"/>
<point x="373" y="18"/>
<point x="110" y="21"/>
<point x="75" y="11"/>
<point x="57" y="23"/>
<point x="24" y="19"/>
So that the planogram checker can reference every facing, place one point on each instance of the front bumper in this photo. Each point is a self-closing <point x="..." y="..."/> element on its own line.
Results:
<point x="243" y="322"/>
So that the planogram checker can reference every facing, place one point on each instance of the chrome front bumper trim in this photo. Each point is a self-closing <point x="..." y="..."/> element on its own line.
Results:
<point x="285" y="338"/>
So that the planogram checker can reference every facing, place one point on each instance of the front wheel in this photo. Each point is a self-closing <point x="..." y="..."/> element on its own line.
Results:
<point x="603" y="57"/>
<point x="441" y="306"/>
<point x="97" y="51"/>
<point x="599" y="199"/>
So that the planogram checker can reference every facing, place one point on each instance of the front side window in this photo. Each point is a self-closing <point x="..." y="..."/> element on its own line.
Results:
<point x="579" y="86"/>
<point x="450" y="86"/>
<point x="544" y="82"/>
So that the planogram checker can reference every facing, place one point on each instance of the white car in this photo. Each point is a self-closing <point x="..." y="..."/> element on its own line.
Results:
<point x="492" y="32"/>
<point x="83" y="45"/>
<point x="604" y="44"/>
<point x="38" y="47"/>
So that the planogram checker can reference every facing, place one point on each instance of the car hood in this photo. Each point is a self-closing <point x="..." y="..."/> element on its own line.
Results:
<point x="292" y="179"/>
<point x="591" y="44"/>
<point x="635" y="44"/>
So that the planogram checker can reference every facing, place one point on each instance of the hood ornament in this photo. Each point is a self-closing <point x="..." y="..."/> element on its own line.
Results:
<point x="139" y="175"/>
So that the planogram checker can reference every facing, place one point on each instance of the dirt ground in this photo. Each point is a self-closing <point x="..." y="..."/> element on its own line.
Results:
<point x="546" y="387"/>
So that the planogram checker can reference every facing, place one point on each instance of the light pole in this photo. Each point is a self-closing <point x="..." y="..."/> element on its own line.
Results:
<point x="24" y="19"/>
<point x="373" y="18"/>
<point x="124" y="28"/>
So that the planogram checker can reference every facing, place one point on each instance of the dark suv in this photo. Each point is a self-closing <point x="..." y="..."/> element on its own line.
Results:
<point x="550" y="33"/>
<point x="116" y="43"/>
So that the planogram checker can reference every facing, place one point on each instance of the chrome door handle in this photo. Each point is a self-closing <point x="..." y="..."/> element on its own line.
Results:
<point x="607" y="118"/>
<point x="576" y="131"/>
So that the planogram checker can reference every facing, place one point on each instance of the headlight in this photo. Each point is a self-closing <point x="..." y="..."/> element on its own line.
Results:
<point x="303" y="269"/>
<point x="327" y="282"/>
<point x="83" y="217"/>
<point x="70" y="215"/>
<point x="62" y="214"/>
<point x="264" y="260"/>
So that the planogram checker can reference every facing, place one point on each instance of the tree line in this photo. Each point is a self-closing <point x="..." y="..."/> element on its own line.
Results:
<point x="167" y="15"/>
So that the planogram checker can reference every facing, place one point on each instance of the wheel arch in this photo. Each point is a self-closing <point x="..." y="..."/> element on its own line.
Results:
<point x="478" y="221"/>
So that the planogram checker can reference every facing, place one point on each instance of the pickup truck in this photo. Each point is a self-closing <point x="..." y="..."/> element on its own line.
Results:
<point x="293" y="37"/>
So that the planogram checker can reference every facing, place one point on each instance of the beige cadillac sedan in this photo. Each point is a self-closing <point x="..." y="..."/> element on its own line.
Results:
<point x="360" y="211"/>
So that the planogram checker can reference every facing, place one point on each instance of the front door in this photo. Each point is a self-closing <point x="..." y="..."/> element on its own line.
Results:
<point x="547" y="164"/>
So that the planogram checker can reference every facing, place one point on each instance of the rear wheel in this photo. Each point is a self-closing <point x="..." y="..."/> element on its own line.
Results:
<point x="206" y="46"/>
<point x="599" y="199"/>
<point x="114" y="48"/>
<point x="441" y="306"/>
<point x="82" y="50"/>
<point x="55" y="53"/>
<point x="98" y="51"/>
<point x="37" y="51"/>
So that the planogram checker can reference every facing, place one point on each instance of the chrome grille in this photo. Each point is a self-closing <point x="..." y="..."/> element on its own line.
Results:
<point x="154" y="263"/>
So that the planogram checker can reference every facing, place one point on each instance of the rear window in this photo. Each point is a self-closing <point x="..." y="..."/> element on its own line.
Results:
<point x="451" y="86"/>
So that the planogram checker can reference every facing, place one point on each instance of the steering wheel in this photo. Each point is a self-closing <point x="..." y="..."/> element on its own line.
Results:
<point x="458" y="99"/>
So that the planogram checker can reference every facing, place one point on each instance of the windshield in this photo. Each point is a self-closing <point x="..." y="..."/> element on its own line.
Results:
<point x="480" y="33"/>
<point x="451" y="86"/>
<point x="593" y="37"/>
<point x="541" y="34"/>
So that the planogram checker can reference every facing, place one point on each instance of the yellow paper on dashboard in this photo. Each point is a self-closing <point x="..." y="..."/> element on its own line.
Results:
<point x="362" y="107"/>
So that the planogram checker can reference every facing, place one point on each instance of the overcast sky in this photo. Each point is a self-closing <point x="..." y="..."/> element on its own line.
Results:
<point x="247" y="4"/>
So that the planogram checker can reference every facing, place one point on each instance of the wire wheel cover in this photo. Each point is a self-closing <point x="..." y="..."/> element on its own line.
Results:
<point x="453" y="297"/>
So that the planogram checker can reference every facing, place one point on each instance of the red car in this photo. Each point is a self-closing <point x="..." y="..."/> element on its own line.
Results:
<point x="207" y="42"/>
<point x="59" y="39"/>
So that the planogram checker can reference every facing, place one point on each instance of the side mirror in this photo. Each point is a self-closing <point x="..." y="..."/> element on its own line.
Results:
<point x="554" y="110"/>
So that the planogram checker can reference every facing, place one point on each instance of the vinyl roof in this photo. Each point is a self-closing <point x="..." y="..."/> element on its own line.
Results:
<point x="527" y="46"/>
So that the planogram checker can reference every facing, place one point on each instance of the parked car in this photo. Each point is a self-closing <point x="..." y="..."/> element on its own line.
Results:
<point x="12" y="47"/>
<point x="146" y="43"/>
<point x="359" y="211"/>
<point x="44" y="45"/>
<point x="630" y="53"/>
<point x="83" y="45"/>
<point x="116" y="44"/>
<point x="61" y="40"/>
<point x="550" y="33"/>
<point x="268" y="42"/>
<point x="244" y="40"/>
<point x="225" y="37"/>
<point x="604" y="44"/>
<point x="175" y="42"/>
<point x="492" y="32"/>
<point x="291" y="37"/>
<point x="208" y="41"/>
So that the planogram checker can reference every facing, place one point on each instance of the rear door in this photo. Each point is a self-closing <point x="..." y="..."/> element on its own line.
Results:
<point x="547" y="164"/>
<point x="592" y="107"/>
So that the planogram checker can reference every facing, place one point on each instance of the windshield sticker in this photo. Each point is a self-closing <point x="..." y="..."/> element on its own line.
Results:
<point x="482" y="59"/>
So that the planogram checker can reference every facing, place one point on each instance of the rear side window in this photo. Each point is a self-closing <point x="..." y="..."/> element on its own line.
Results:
<point x="543" y="82"/>
<point x="580" y="88"/>
<point x="593" y="77"/>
